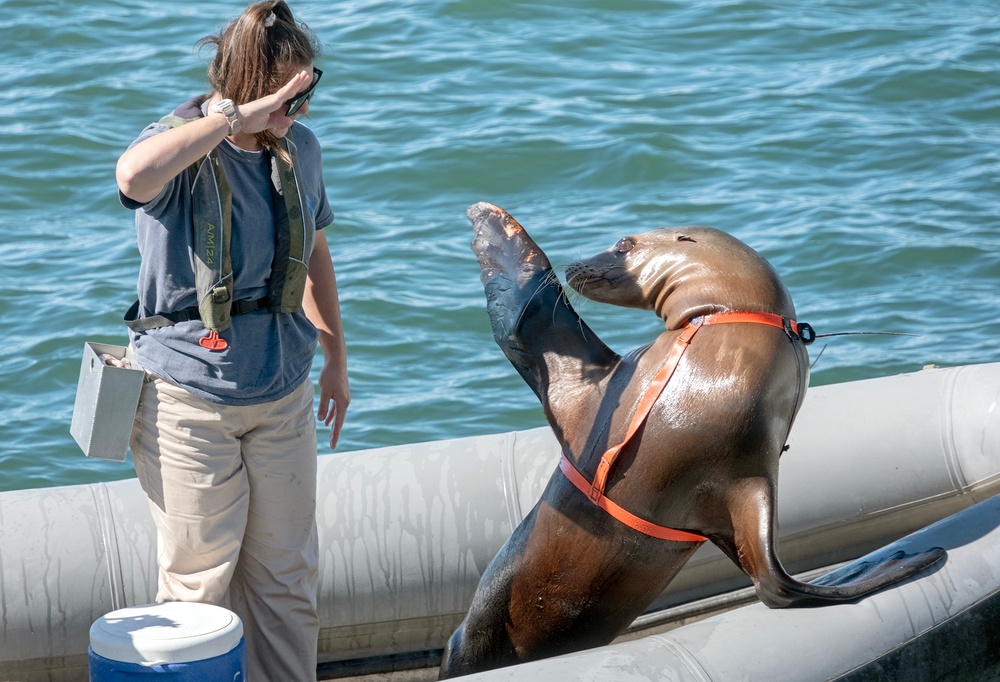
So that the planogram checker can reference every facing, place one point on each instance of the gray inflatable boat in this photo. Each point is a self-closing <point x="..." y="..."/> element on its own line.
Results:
<point x="406" y="532"/>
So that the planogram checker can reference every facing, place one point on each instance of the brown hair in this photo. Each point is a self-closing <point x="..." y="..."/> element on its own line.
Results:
<point x="250" y="52"/>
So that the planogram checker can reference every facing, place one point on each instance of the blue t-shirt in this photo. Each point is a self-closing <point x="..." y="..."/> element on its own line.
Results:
<point x="268" y="354"/>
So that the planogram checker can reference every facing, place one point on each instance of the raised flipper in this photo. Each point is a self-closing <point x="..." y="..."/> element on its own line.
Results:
<point x="531" y="317"/>
<point x="752" y="546"/>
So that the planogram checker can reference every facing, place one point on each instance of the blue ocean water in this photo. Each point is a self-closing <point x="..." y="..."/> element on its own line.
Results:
<point x="854" y="143"/>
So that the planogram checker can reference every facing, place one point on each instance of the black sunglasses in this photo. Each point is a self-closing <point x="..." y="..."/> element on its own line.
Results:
<point x="295" y="103"/>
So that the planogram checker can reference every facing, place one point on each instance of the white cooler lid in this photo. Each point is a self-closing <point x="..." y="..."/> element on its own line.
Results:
<point x="172" y="632"/>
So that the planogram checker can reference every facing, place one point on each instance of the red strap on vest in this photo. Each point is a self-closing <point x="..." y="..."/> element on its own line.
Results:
<point x="595" y="490"/>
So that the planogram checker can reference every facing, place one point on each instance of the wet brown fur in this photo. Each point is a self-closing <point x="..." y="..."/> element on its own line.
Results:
<point x="706" y="461"/>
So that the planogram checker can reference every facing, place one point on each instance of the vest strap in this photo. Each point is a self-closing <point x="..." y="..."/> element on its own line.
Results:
<point x="294" y="244"/>
<point x="212" y="200"/>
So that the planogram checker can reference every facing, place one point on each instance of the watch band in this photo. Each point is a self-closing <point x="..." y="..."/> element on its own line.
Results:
<point x="228" y="109"/>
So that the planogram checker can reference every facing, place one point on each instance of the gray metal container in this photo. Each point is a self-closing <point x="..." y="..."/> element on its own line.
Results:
<point x="106" y="399"/>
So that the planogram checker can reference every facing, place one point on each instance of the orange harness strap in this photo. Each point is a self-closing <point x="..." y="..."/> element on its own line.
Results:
<point x="595" y="490"/>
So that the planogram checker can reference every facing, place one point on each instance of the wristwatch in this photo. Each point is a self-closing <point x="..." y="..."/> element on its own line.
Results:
<point x="228" y="109"/>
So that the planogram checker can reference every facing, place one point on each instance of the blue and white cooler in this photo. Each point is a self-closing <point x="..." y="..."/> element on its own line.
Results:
<point x="173" y="641"/>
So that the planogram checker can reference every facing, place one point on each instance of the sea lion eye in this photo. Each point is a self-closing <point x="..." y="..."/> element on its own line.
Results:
<point x="625" y="245"/>
<point x="684" y="238"/>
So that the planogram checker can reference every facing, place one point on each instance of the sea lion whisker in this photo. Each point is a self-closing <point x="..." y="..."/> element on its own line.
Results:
<point x="575" y="298"/>
<point x="577" y="281"/>
<point x="571" y="299"/>
<point x="551" y="277"/>
<point x="548" y="279"/>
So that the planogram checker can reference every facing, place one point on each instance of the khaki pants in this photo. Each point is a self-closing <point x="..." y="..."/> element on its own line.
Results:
<point x="233" y="494"/>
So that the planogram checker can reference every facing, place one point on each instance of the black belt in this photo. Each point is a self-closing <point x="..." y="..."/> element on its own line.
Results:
<point x="137" y="324"/>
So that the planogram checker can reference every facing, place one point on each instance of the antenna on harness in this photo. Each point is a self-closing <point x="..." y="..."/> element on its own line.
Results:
<point x="820" y="336"/>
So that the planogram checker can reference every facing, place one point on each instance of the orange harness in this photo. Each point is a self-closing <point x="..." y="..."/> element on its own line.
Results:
<point x="595" y="490"/>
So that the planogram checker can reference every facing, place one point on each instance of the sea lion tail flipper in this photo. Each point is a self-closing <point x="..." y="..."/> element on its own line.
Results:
<point x="753" y="548"/>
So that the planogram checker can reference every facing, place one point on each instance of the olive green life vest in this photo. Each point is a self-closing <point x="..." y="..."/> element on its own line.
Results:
<point x="212" y="211"/>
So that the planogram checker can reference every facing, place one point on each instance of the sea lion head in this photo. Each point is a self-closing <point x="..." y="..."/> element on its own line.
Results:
<point x="681" y="273"/>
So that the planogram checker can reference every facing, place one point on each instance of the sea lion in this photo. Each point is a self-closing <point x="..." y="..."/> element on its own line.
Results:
<point x="702" y="465"/>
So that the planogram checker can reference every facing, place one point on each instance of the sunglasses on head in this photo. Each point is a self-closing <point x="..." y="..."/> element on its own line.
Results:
<point x="295" y="103"/>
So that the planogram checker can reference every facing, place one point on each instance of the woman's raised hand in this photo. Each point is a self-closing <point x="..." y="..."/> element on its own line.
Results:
<point x="268" y="112"/>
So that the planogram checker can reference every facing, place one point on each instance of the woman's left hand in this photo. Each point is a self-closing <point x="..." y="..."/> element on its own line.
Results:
<point x="334" y="397"/>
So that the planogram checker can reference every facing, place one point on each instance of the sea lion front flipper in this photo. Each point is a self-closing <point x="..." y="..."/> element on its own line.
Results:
<point x="752" y="507"/>
<point x="533" y="323"/>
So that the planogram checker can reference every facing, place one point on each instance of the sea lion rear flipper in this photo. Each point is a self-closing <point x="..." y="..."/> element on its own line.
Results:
<point x="527" y="306"/>
<point x="753" y="547"/>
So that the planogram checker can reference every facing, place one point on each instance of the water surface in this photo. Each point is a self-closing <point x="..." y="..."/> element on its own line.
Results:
<point x="853" y="143"/>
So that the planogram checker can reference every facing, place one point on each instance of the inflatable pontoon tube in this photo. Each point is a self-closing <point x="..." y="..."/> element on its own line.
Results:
<point x="405" y="532"/>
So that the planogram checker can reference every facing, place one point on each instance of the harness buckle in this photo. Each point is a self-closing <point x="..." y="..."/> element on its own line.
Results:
<point x="786" y="324"/>
<point x="601" y="475"/>
<point x="802" y="332"/>
<point x="221" y="294"/>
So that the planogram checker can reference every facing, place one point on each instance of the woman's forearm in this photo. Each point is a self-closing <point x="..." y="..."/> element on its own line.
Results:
<point x="146" y="168"/>
<point x="321" y="305"/>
